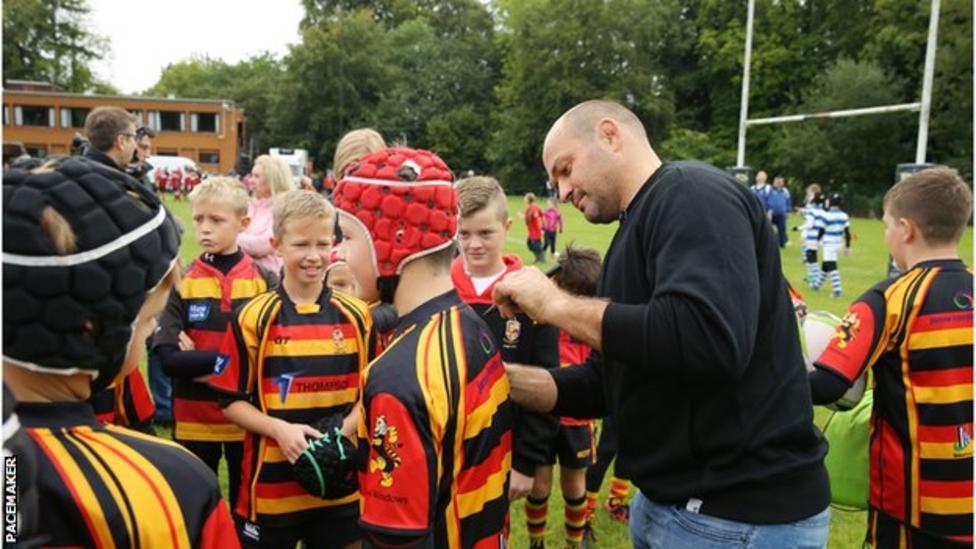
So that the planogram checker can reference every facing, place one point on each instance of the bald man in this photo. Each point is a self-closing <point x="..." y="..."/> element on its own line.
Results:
<point x="696" y="356"/>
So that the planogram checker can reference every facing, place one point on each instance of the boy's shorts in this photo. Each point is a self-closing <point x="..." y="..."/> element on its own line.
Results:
<point x="830" y="253"/>
<point x="573" y="446"/>
<point x="330" y="531"/>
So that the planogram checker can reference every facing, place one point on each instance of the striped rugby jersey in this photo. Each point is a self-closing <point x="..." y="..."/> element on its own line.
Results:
<point x="916" y="333"/>
<point x="105" y="486"/>
<point x="833" y="222"/>
<point x="436" y="431"/>
<point x="811" y="222"/>
<point x="202" y="306"/>
<point x="299" y="363"/>
<point x="126" y="403"/>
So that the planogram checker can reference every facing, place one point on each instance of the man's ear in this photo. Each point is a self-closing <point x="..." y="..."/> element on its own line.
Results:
<point x="608" y="132"/>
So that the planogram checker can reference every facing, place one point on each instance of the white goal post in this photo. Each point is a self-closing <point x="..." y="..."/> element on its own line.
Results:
<point x="923" y="107"/>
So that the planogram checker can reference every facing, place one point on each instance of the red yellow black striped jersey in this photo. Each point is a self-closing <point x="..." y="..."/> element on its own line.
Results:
<point x="126" y="403"/>
<point x="572" y="351"/>
<point x="298" y="363"/>
<point x="916" y="333"/>
<point x="202" y="306"/>
<point x="436" y="429"/>
<point x="105" y="486"/>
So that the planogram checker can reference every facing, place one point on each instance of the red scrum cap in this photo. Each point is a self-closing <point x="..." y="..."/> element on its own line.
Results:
<point x="405" y="201"/>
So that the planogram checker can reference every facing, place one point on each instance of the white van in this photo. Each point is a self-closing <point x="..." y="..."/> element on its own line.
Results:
<point x="169" y="163"/>
<point x="297" y="160"/>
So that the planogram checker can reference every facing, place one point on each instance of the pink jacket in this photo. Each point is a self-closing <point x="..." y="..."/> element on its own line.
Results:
<point x="255" y="241"/>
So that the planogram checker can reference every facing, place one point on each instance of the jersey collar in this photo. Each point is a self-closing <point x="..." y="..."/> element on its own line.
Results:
<point x="56" y="414"/>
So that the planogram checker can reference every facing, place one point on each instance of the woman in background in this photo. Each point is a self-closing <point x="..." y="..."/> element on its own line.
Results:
<point x="271" y="176"/>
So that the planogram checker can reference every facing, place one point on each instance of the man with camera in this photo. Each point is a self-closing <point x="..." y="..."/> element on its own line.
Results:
<point x="111" y="133"/>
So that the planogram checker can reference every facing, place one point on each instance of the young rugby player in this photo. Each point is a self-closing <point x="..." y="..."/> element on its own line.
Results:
<point x="834" y="235"/>
<point x="89" y="257"/>
<point x="916" y="333"/>
<point x="220" y="279"/>
<point x="579" y="274"/>
<point x="290" y="358"/>
<point x="483" y="228"/>
<point x="436" y="423"/>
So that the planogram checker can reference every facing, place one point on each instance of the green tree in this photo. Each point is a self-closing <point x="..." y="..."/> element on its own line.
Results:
<point x="561" y="52"/>
<point x="334" y="79"/>
<point x="49" y="41"/>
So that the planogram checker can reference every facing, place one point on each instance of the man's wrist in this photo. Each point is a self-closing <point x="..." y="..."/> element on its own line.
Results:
<point x="559" y="307"/>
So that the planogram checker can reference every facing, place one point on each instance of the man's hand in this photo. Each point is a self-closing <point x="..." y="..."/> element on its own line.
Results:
<point x="532" y="388"/>
<point x="291" y="438"/>
<point x="531" y="292"/>
<point x="519" y="486"/>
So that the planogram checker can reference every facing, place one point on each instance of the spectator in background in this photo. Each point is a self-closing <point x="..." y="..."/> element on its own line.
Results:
<point x="353" y="145"/>
<point x="533" y="220"/>
<point x="552" y="222"/>
<point x="111" y="131"/>
<point x="779" y="205"/>
<point x="271" y="176"/>
<point x="761" y="187"/>
<point x="139" y="167"/>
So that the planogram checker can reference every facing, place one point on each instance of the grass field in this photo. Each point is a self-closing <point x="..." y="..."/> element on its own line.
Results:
<point x="865" y="267"/>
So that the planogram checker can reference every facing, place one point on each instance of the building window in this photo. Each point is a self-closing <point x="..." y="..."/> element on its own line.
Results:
<point x="172" y="121"/>
<point x="167" y="152"/>
<point x="74" y="117"/>
<point x="210" y="157"/>
<point x="6" y="115"/>
<point x="36" y="151"/>
<point x="204" y="122"/>
<point x="32" y="115"/>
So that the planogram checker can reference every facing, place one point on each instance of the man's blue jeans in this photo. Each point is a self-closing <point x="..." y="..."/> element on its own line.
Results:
<point x="660" y="526"/>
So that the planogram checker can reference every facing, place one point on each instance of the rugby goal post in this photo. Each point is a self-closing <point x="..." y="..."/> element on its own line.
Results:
<point x="923" y="107"/>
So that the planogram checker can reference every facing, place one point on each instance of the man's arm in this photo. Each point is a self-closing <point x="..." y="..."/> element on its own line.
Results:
<point x="573" y="391"/>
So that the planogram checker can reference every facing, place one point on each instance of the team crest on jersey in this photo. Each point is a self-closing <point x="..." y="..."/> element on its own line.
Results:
<point x="847" y="330"/>
<point x="385" y="444"/>
<point x="513" y="328"/>
<point x="198" y="312"/>
<point x="339" y="340"/>
<point x="221" y="364"/>
<point x="964" y="442"/>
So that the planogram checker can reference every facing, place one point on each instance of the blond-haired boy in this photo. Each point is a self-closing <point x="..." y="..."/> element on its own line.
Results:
<point x="290" y="358"/>
<point x="219" y="280"/>
<point x="916" y="332"/>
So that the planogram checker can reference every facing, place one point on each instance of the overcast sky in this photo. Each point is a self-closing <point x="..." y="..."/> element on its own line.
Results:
<point x="146" y="35"/>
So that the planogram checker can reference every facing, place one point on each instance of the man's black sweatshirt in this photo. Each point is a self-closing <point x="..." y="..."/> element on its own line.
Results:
<point x="701" y="366"/>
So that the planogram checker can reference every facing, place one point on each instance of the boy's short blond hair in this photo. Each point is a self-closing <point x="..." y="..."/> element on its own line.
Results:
<point x="300" y="205"/>
<point x="477" y="193"/>
<point x="937" y="200"/>
<point x="221" y="190"/>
